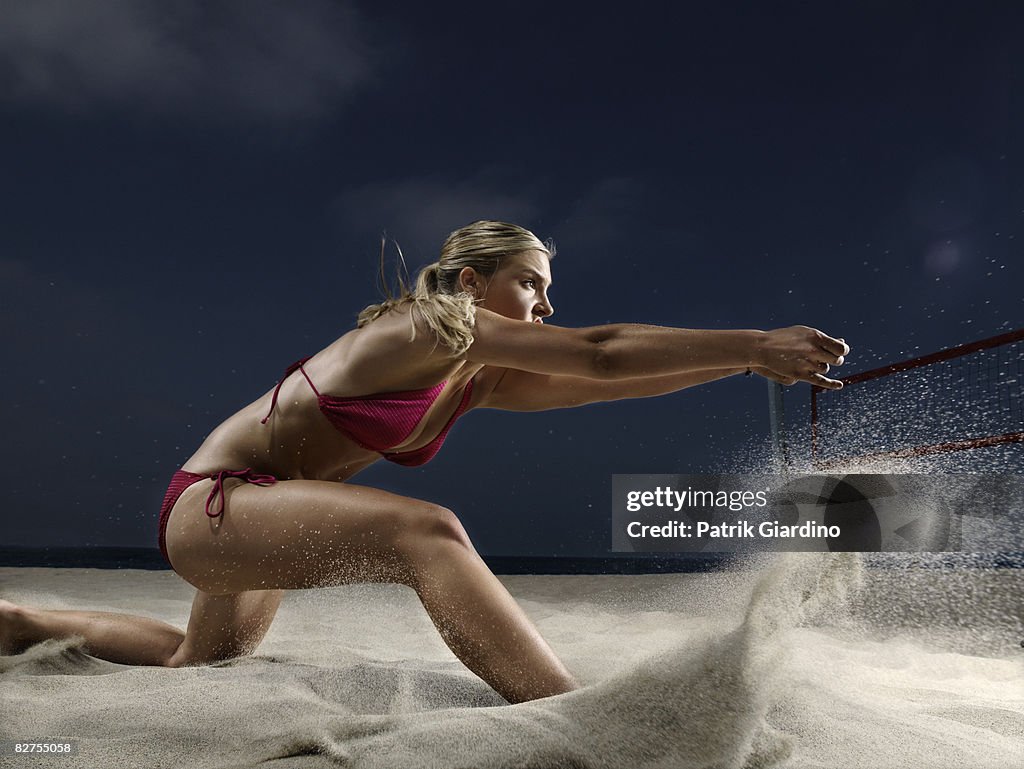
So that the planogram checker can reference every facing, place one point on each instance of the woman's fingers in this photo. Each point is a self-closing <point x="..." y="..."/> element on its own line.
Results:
<point x="815" y="366"/>
<point x="812" y="377"/>
<point x="824" y="381"/>
<point x="820" y="356"/>
<point x="775" y="377"/>
<point x="837" y="348"/>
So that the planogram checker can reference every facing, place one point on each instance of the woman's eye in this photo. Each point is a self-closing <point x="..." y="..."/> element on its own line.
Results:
<point x="530" y="283"/>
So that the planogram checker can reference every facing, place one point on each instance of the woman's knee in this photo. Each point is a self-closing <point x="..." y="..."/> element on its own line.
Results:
<point x="429" y="528"/>
<point x="223" y="627"/>
<point x="183" y="658"/>
<point x="441" y="524"/>
<point x="195" y="654"/>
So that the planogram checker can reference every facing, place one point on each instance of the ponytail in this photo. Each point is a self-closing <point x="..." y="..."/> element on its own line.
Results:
<point x="436" y="298"/>
<point x="451" y="316"/>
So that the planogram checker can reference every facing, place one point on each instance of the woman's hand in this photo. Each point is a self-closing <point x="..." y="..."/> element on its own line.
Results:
<point x="769" y="374"/>
<point x="800" y="353"/>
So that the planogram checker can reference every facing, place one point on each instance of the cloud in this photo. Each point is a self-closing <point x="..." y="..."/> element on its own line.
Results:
<point x="420" y="213"/>
<point x="604" y="215"/>
<point x="622" y="218"/>
<point x="231" y="60"/>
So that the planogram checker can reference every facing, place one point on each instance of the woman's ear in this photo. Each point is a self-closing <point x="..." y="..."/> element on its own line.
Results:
<point x="472" y="282"/>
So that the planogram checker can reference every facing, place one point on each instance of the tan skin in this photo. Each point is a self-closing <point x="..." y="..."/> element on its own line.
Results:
<point x="314" y="528"/>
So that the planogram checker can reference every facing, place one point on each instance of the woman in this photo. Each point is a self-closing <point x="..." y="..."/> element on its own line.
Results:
<point x="266" y="503"/>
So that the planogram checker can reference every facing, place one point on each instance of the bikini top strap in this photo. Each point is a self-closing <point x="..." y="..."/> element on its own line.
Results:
<point x="299" y="366"/>
<point x="296" y="366"/>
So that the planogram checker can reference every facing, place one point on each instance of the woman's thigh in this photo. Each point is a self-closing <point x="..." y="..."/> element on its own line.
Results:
<point x="297" y="534"/>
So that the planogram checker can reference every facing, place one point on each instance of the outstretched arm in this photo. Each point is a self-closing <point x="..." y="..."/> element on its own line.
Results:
<point x="527" y="391"/>
<point x="625" y="351"/>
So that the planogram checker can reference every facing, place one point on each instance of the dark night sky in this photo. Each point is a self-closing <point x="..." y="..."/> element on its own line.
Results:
<point x="193" y="195"/>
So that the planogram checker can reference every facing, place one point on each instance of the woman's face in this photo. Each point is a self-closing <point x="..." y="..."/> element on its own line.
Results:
<point x="518" y="289"/>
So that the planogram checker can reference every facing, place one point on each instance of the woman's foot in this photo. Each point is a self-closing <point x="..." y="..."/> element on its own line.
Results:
<point x="12" y="618"/>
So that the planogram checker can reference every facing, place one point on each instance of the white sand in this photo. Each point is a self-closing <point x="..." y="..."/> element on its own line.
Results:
<point x="770" y="666"/>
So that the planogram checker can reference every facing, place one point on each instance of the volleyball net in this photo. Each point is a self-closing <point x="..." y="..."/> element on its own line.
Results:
<point x="968" y="398"/>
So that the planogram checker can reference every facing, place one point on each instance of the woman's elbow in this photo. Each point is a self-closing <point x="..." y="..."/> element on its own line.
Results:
<point x="598" y="354"/>
<point x="603" y="363"/>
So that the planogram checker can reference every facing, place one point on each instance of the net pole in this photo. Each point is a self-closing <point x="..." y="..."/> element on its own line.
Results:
<point x="776" y="416"/>
<point x="814" y="424"/>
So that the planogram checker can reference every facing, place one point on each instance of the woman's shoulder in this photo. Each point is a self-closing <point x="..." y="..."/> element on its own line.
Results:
<point x="400" y="331"/>
<point x="384" y="354"/>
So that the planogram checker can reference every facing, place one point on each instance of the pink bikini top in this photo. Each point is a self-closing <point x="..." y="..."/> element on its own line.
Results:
<point x="378" y="422"/>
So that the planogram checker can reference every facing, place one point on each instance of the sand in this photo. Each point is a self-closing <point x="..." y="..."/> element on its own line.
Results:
<point x="802" y="660"/>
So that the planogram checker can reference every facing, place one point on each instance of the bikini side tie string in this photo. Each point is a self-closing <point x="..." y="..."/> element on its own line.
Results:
<point x="287" y="373"/>
<point x="248" y="475"/>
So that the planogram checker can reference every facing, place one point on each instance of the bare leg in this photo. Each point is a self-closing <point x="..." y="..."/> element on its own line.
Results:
<point x="484" y="626"/>
<point x="302" y="534"/>
<point x="416" y="544"/>
<point x="122" y="638"/>
<point x="220" y="627"/>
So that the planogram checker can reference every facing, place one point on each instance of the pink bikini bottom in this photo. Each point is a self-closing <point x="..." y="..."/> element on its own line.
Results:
<point x="182" y="479"/>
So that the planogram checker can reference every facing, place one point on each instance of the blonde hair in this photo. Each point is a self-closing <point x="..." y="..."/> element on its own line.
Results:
<point x="449" y="312"/>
